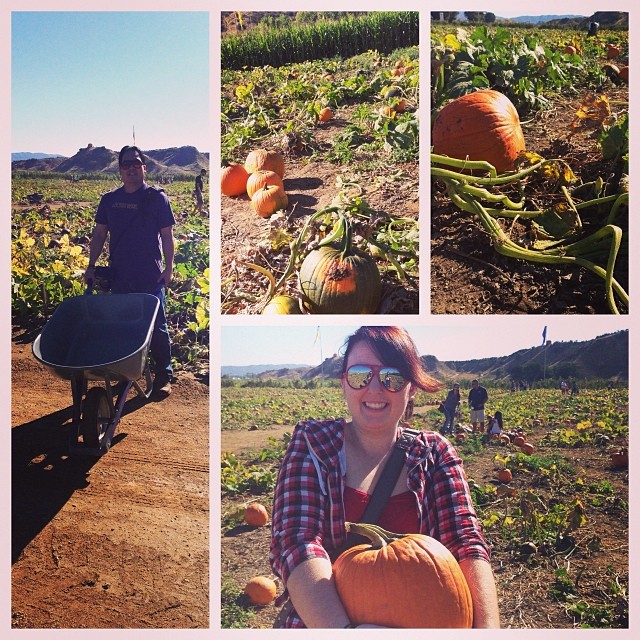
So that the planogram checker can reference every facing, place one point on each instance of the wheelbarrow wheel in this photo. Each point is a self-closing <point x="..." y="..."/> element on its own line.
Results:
<point x="95" y="417"/>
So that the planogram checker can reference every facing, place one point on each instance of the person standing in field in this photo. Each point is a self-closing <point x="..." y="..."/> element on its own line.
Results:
<point x="478" y="397"/>
<point x="450" y="405"/>
<point x="139" y="222"/>
<point x="200" y="190"/>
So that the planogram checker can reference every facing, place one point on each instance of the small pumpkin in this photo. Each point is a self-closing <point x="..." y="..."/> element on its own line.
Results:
<point x="402" y="581"/>
<point x="613" y="51"/>
<point x="528" y="448"/>
<point x="505" y="476"/>
<point x="262" y="159"/>
<point x="391" y="92"/>
<point x="623" y="74"/>
<point x="620" y="459"/>
<point x="282" y="305"/>
<point x="268" y="200"/>
<point x="570" y="50"/>
<point x="337" y="281"/>
<point x="259" y="179"/>
<point x="325" y="115"/>
<point x="260" y="590"/>
<point x="233" y="180"/>
<point x="256" y="515"/>
<point x="519" y="441"/>
<point x="483" y="125"/>
<point x="505" y="439"/>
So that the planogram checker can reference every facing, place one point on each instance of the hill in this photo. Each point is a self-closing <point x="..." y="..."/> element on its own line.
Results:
<point x="29" y="155"/>
<point x="605" y="357"/>
<point x="175" y="161"/>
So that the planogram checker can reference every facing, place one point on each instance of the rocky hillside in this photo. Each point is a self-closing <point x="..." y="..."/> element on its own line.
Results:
<point x="175" y="161"/>
<point x="605" y="357"/>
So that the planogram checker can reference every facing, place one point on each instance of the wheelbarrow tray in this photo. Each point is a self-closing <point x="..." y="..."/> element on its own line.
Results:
<point x="99" y="336"/>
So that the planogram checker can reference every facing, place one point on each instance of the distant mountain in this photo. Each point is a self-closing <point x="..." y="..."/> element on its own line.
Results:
<point x="28" y="155"/>
<point x="538" y="19"/>
<point x="605" y="357"/>
<point x="175" y="161"/>
<point x="236" y="371"/>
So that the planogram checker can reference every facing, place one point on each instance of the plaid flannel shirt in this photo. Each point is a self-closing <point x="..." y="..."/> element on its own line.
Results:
<point x="308" y="518"/>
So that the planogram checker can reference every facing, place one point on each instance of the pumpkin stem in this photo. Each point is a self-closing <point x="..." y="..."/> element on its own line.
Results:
<point x="378" y="536"/>
<point x="346" y="239"/>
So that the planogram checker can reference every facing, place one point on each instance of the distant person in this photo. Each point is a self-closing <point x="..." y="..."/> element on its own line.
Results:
<point x="450" y="405"/>
<point x="564" y="387"/>
<point x="494" y="427"/>
<point x="593" y="29"/>
<point x="139" y="222"/>
<point x="478" y="397"/>
<point x="200" y="190"/>
<point x="574" y="388"/>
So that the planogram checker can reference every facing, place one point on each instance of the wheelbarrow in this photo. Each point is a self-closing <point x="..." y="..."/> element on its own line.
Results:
<point x="99" y="338"/>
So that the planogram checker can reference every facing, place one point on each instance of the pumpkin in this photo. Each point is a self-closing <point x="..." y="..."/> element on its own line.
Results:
<point x="570" y="50"/>
<point x="262" y="159"/>
<point x="256" y="515"/>
<point x="259" y="179"/>
<point x="519" y="441"/>
<point x="483" y="125"/>
<point x="460" y="437"/>
<point x="613" y="51"/>
<point x="402" y="581"/>
<point x="528" y="448"/>
<point x="505" y="439"/>
<point x="391" y="92"/>
<point x="623" y="74"/>
<point x="325" y="115"/>
<point x="260" y="590"/>
<point x="505" y="476"/>
<point x="338" y="281"/>
<point x="283" y="305"/>
<point x="268" y="200"/>
<point x="620" y="459"/>
<point x="400" y="106"/>
<point x="388" y="111"/>
<point x="233" y="180"/>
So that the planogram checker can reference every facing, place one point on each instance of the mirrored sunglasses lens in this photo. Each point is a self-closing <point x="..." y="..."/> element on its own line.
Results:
<point x="392" y="379"/>
<point x="358" y="376"/>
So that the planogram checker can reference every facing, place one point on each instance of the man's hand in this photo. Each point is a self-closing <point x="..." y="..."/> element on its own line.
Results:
<point x="166" y="276"/>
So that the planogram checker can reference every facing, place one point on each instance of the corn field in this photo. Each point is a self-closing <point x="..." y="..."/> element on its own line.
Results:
<point x="350" y="36"/>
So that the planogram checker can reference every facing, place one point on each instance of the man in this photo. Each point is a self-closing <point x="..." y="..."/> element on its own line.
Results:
<point x="450" y="406"/>
<point x="478" y="397"/>
<point x="200" y="189"/>
<point x="139" y="222"/>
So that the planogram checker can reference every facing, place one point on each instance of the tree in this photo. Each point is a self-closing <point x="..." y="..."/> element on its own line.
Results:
<point x="489" y="17"/>
<point x="449" y="16"/>
<point x="436" y="16"/>
<point x="474" y="16"/>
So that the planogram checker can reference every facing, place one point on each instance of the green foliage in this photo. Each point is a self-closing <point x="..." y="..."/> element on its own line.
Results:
<point x="232" y="614"/>
<point x="294" y="42"/>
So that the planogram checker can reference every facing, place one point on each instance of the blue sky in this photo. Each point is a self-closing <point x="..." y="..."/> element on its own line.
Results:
<point x="92" y="77"/>
<point x="461" y="338"/>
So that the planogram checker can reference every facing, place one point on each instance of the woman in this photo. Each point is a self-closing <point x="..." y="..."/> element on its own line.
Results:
<point x="331" y="467"/>
<point x="450" y="406"/>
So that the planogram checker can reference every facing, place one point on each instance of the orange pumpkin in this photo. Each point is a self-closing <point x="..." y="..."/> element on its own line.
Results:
<point x="483" y="125"/>
<point x="505" y="439"/>
<point x="262" y="159"/>
<point x="505" y="476"/>
<point x="402" y="581"/>
<point x="268" y="200"/>
<point x="233" y="180"/>
<point x="259" y="179"/>
<point x="325" y="115"/>
<point x="620" y="459"/>
<point x="528" y="448"/>
<point x="256" y="515"/>
<point x="623" y="74"/>
<point x="260" y="590"/>
<point x="519" y="441"/>
<point x="570" y="50"/>
<point x="613" y="51"/>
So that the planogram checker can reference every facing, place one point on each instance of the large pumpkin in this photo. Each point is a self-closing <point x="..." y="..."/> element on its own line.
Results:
<point x="233" y="180"/>
<point x="483" y="125"/>
<point x="333" y="281"/>
<point x="402" y="581"/>
<point x="261" y="159"/>
<point x="268" y="200"/>
<point x="259" y="179"/>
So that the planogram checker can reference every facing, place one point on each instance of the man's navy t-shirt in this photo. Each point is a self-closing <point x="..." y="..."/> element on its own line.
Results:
<point x="134" y="221"/>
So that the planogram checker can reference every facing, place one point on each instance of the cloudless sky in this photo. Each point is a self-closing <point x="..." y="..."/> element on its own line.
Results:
<point x="458" y="339"/>
<point x="91" y="77"/>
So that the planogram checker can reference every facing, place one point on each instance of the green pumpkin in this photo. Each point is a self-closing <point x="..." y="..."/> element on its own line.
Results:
<point x="282" y="305"/>
<point x="333" y="282"/>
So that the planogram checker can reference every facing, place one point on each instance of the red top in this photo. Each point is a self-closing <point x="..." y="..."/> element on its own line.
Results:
<point x="400" y="513"/>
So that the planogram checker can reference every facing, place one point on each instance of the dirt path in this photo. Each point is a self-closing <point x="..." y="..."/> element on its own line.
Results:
<point x="120" y="541"/>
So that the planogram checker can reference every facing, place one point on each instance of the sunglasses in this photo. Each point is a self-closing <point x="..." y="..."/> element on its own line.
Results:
<point x="127" y="164"/>
<point x="358" y="376"/>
